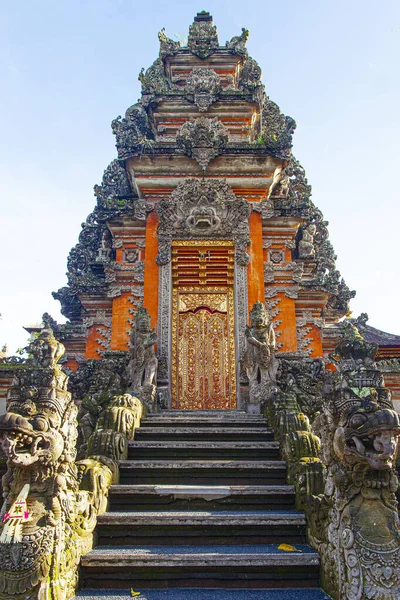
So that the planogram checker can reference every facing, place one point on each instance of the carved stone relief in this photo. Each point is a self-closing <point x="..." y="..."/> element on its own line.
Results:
<point x="202" y="87"/>
<point x="276" y="256"/>
<point x="200" y="208"/>
<point x="202" y="139"/>
<point x="203" y="36"/>
<point x="290" y="291"/>
<point x="241" y="305"/>
<point x="273" y="271"/>
<point x="131" y="255"/>
<point x="164" y="315"/>
<point x="237" y="45"/>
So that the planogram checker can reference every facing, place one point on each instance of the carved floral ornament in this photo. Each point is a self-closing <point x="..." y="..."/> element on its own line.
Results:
<point x="200" y="208"/>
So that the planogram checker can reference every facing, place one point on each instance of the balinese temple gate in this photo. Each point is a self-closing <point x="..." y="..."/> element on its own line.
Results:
<point x="206" y="418"/>
<point x="204" y="213"/>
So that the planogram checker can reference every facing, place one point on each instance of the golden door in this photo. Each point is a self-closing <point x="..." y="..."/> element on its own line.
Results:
<point x="203" y="350"/>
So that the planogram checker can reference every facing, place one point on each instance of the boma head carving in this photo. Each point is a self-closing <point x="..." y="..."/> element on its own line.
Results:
<point x="38" y="427"/>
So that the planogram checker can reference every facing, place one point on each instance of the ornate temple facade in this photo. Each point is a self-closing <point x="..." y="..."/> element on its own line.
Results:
<point x="204" y="212"/>
<point x="203" y="283"/>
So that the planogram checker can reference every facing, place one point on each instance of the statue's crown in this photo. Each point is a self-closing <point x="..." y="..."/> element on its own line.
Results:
<point x="259" y="312"/>
<point x="142" y="316"/>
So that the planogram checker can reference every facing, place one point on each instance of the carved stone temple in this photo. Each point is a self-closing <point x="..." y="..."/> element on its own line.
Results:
<point x="209" y="422"/>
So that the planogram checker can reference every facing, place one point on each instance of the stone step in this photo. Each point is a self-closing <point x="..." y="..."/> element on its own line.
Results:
<point x="204" y="433"/>
<point x="197" y="497"/>
<point x="209" y="414"/>
<point x="187" y="420"/>
<point x="201" y="527"/>
<point x="206" y="594"/>
<point x="233" y="566"/>
<point x="197" y="450"/>
<point x="226" y="472"/>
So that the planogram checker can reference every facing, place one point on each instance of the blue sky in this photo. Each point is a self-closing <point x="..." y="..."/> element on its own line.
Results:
<point x="67" y="68"/>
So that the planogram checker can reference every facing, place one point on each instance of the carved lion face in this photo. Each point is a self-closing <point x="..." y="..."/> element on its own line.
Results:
<point x="29" y="434"/>
<point x="368" y="435"/>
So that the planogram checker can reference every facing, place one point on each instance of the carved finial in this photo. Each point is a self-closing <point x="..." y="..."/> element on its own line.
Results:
<point x="237" y="45"/>
<point x="361" y="321"/>
<point x="203" y="36"/>
<point x="353" y="353"/>
<point x="48" y="321"/>
<point x="167" y="46"/>
<point x="46" y="351"/>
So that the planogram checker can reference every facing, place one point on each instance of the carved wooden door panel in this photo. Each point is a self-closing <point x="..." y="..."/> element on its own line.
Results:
<point x="203" y="351"/>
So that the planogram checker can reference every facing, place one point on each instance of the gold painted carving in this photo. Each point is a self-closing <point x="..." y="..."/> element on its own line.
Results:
<point x="203" y="349"/>
<point x="213" y="301"/>
<point x="203" y="243"/>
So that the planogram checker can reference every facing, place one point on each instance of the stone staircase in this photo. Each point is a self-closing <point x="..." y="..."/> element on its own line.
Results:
<point x="199" y="513"/>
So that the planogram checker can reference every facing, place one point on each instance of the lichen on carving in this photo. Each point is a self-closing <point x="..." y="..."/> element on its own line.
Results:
<point x="133" y="132"/>
<point x="202" y="87"/>
<point x="39" y="546"/>
<point x="359" y="432"/>
<point x="203" y="36"/>
<point x="237" y="45"/>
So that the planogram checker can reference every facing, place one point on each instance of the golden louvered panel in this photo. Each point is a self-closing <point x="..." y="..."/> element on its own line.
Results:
<point x="206" y="263"/>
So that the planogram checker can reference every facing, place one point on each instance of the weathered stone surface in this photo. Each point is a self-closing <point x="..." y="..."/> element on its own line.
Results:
<point x="259" y="360"/>
<point x="355" y="524"/>
<point x="142" y="366"/>
<point x="46" y="503"/>
<point x="203" y="37"/>
<point x="202" y="139"/>
<point x="51" y="501"/>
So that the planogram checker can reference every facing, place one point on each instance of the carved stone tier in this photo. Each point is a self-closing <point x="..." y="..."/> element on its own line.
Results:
<point x="239" y="117"/>
<point x="157" y="175"/>
<point x="227" y="66"/>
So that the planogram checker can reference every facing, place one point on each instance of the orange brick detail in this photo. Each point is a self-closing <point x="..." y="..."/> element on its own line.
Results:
<point x="255" y="270"/>
<point x="91" y="344"/>
<point x="151" y="269"/>
<point x="287" y="315"/>
<point x="120" y="324"/>
<point x="316" y="344"/>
